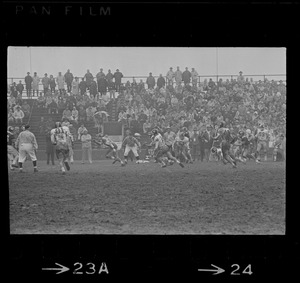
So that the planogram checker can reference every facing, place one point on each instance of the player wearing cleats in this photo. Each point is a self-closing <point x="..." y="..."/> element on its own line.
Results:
<point x="112" y="151"/>
<point x="130" y="144"/>
<point x="162" y="150"/>
<point x="61" y="138"/>
<point x="224" y="137"/>
<point x="12" y="152"/>
<point x="262" y="139"/>
<point x="26" y="142"/>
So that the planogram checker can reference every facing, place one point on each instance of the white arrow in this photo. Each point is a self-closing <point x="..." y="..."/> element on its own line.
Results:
<point x="218" y="270"/>
<point x="61" y="268"/>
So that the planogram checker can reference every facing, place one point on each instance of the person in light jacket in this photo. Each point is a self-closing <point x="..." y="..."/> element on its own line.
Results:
<point x="86" y="141"/>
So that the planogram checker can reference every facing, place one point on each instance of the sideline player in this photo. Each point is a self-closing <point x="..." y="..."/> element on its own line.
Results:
<point x="61" y="139"/>
<point x="130" y="143"/>
<point x="12" y="153"/>
<point x="262" y="138"/>
<point x="279" y="146"/>
<point x="26" y="142"/>
<point x="224" y="136"/>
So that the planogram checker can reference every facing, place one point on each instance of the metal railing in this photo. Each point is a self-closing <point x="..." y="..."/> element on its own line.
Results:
<point x="200" y="78"/>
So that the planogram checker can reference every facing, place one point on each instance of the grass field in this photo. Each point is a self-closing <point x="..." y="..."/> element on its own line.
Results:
<point x="101" y="198"/>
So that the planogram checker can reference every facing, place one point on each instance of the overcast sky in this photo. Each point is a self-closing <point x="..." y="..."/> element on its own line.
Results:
<point x="139" y="61"/>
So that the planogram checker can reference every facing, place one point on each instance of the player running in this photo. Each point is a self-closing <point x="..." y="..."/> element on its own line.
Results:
<point x="161" y="149"/>
<point x="12" y="153"/>
<point x="60" y="137"/>
<point x="181" y="147"/>
<point x="262" y="136"/>
<point x="224" y="137"/>
<point x="237" y="145"/>
<point x="247" y="140"/>
<point x="112" y="151"/>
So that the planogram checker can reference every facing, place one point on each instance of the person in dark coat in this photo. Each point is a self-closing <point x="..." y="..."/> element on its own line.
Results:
<point x="102" y="85"/>
<point x="14" y="90"/>
<point x="161" y="82"/>
<point x="150" y="81"/>
<point x="49" y="147"/>
<point x="69" y="79"/>
<point x="118" y="79"/>
<point x="28" y="82"/>
<point x="20" y="87"/>
<point x="82" y="86"/>
<point x="88" y="79"/>
<point x="93" y="88"/>
<point x="186" y="76"/>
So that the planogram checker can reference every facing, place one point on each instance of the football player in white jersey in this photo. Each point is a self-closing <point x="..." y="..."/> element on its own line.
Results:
<point x="60" y="137"/>
<point x="161" y="149"/>
<point x="262" y="136"/>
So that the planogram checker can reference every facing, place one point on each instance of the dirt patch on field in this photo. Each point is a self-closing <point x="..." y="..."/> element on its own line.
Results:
<point x="101" y="198"/>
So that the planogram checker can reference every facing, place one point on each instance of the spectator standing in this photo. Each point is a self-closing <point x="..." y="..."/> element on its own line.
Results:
<point x="88" y="79"/>
<point x="82" y="86"/>
<point x="93" y="89"/>
<point x="52" y="84"/>
<point x="150" y="81"/>
<point x="20" y="88"/>
<point x="60" y="80"/>
<point x="170" y="76"/>
<point x="28" y="84"/>
<point x="178" y="76"/>
<point x="46" y="83"/>
<point x="194" y="75"/>
<point x="10" y="117"/>
<point x="161" y="82"/>
<point x="75" y="86"/>
<point x="186" y="76"/>
<point x="102" y="85"/>
<point x="240" y="78"/>
<point x="35" y="83"/>
<point x="18" y="115"/>
<point x="100" y="74"/>
<point x="86" y="141"/>
<point x="109" y="77"/>
<point x="14" y="90"/>
<point x="49" y="147"/>
<point x="118" y="79"/>
<point x="68" y="79"/>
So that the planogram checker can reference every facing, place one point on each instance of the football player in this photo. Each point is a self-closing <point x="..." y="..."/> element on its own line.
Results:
<point x="279" y="146"/>
<point x="161" y="149"/>
<point x="112" y="147"/>
<point x="130" y="144"/>
<point x="12" y="153"/>
<point x="60" y="137"/>
<point x="262" y="136"/>
<point x="224" y="137"/>
<point x="237" y="146"/>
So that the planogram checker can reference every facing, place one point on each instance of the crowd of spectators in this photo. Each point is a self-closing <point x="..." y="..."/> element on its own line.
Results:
<point x="174" y="100"/>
